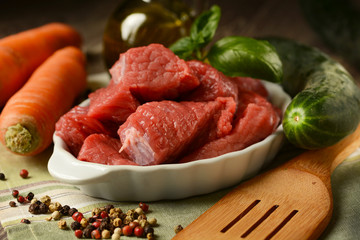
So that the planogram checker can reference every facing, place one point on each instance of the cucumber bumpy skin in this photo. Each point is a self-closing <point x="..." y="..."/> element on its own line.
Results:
<point x="326" y="101"/>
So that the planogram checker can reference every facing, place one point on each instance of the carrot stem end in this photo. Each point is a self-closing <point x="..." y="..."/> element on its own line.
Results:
<point x="18" y="139"/>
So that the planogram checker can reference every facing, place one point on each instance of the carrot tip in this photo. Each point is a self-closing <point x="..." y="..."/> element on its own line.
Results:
<point x="18" y="139"/>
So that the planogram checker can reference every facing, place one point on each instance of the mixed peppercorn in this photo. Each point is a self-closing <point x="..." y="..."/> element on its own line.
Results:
<point x="23" y="173"/>
<point x="112" y="222"/>
<point x="104" y="223"/>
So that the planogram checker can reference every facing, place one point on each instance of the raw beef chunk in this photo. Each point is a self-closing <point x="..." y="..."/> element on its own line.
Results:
<point x="74" y="126"/>
<point x="153" y="73"/>
<point x="142" y="74"/>
<point x="103" y="149"/>
<point x="213" y="83"/>
<point x="245" y="84"/>
<point x="258" y="120"/>
<point x="112" y="103"/>
<point x="160" y="132"/>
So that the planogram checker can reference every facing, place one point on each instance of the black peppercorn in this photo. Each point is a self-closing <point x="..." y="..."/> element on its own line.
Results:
<point x="43" y="208"/>
<point x="26" y="221"/>
<point x="71" y="211"/>
<point x="106" y="219"/>
<point x="30" y="196"/>
<point x="87" y="231"/>
<point x="148" y="229"/>
<point x="178" y="228"/>
<point x="122" y="216"/>
<point x="135" y="215"/>
<point x="34" y="208"/>
<point x="75" y="225"/>
<point x="104" y="225"/>
<point x="92" y="219"/>
<point x="65" y="210"/>
<point x="111" y="228"/>
<point x="2" y="176"/>
<point x="108" y="207"/>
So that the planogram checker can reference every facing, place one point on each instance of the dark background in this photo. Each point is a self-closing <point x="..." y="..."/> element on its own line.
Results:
<point x="239" y="17"/>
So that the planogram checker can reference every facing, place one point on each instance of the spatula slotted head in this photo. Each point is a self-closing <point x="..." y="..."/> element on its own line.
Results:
<point x="293" y="201"/>
<point x="285" y="203"/>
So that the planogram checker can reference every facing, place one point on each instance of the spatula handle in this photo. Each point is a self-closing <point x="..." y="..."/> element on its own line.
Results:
<point x="322" y="162"/>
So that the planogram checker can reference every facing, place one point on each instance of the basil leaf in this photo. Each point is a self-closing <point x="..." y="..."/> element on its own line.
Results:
<point x="202" y="32"/>
<point x="248" y="57"/>
<point x="204" y="27"/>
<point x="184" y="48"/>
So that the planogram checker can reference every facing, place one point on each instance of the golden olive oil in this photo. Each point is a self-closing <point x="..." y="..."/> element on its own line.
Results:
<point x="137" y="23"/>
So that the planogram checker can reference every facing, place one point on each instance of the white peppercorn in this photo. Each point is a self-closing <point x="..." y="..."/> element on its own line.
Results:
<point x="117" y="222"/>
<point x="105" y="234"/>
<point x="84" y="222"/>
<point x="54" y="206"/>
<point x="115" y="236"/>
<point x="152" y="221"/>
<point x="143" y="223"/>
<point x="45" y="199"/>
<point x="139" y="211"/>
<point x="62" y="224"/>
<point x="150" y="236"/>
<point x="56" y="215"/>
<point x="117" y="230"/>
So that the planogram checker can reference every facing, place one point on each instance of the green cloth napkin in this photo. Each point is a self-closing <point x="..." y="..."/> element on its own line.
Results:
<point x="344" y="225"/>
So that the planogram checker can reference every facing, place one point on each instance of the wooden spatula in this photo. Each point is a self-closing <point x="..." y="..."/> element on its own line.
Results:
<point x="293" y="201"/>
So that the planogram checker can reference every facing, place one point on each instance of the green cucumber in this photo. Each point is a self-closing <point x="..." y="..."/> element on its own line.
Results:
<point x="326" y="101"/>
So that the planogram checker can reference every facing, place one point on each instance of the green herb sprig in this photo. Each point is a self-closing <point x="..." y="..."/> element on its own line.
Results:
<point x="232" y="55"/>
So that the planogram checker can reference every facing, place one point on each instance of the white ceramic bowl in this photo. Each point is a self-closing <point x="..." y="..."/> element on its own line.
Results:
<point x="168" y="181"/>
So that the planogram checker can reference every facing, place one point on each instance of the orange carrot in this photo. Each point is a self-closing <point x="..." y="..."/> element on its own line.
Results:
<point x="28" y="119"/>
<point x="22" y="53"/>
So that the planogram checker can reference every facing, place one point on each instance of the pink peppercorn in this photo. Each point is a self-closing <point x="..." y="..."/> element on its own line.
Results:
<point x="78" y="233"/>
<point x="96" y="224"/>
<point x="133" y="224"/>
<point x="139" y="231"/>
<point x="127" y="230"/>
<point x="26" y="221"/>
<point x="95" y="234"/>
<point x="77" y="216"/>
<point x="20" y="199"/>
<point x="15" y="193"/>
<point x="24" y="173"/>
<point x="104" y="214"/>
<point x="144" y="206"/>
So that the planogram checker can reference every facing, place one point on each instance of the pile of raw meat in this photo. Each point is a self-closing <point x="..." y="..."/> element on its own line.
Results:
<point x="160" y="109"/>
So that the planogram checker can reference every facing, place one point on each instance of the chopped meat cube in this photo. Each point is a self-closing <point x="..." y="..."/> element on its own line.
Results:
<point x="159" y="132"/>
<point x="103" y="149"/>
<point x="257" y="120"/>
<point x="213" y="84"/>
<point x="141" y="74"/>
<point x="74" y="126"/>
